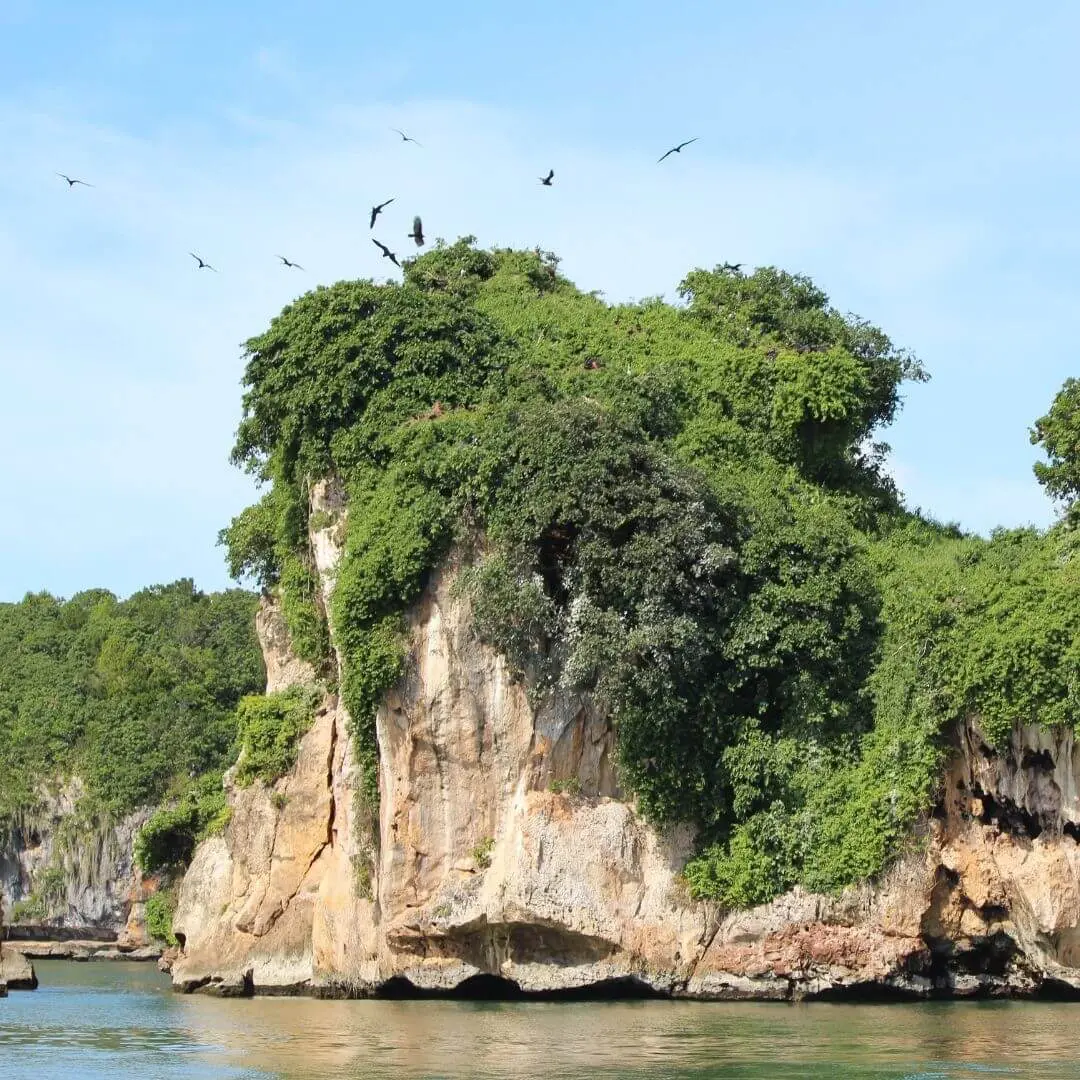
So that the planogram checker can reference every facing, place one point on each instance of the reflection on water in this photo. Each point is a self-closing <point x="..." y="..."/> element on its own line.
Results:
<point x="97" y="1020"/>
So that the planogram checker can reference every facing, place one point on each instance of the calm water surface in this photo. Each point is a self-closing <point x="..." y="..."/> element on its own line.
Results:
<point x="108" y="1020"/>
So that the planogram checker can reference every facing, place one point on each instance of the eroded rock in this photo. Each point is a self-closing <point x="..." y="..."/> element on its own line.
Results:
<point x="16" y="971"/>
<point x="504" y="851"/>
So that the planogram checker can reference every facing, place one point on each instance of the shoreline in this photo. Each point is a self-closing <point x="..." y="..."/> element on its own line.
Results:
<point x="494" y="989"/>
<point x="82" y="950"/>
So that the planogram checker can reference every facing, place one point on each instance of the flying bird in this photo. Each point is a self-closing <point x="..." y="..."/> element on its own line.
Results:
<point x="404" y="137"/>
<point x="731" y="268"/>
<point x="677" y="149"/>
<point x="285" y="262"/>
<point x="387" y="253"/>
<point x="71" y="181"/>
<point x="546" y="180"/>
<point x="417" y="233"/>
<point x="376" y="211"/>
<point x="203" y="265"/>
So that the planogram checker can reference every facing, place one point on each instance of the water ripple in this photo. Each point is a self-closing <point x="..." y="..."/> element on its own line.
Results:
<point x="104" y="1020"/>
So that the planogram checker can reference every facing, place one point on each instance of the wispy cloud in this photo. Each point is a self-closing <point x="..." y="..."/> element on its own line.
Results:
<point x="124" y="360"/>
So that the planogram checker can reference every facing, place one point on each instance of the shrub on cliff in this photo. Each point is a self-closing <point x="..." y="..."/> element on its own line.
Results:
<point x="165" y="844"/>
<point x="160" y="909"/>
<point x="269" y="727"/>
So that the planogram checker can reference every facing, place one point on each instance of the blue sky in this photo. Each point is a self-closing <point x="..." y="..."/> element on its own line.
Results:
<point x="918" y="160"/>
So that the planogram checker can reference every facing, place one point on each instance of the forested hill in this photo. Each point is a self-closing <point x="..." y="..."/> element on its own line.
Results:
<point x="134" y="697"/>
<point x="680" y="508"/>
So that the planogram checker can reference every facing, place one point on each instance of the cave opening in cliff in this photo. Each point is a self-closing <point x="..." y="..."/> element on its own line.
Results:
<point x="867" y="993"/>
<point x="495" y="988"/>
<point x="1008" y="816"/>
<point x="1037" y="759"/>
<point x="988" y="959"/>
<point x="1051" y="989"/>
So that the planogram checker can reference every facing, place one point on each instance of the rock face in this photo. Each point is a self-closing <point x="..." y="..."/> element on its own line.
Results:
<point x="16" y="971"/>
<point x="480" y="870"/>
<point x="989" y="907"/>
<point x="505" y="858"/>
<point x="100" y="893"/>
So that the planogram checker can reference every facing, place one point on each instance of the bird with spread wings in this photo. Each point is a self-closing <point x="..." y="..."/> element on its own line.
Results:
<point x="376" y="211"/>
<point x="387" y="253"/>
<point x="676" y="149"/>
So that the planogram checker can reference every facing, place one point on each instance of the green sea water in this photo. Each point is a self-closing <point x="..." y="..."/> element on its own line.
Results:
<point x="120" y="1020"/>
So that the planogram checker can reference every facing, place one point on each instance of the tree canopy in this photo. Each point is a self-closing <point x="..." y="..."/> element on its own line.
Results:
<point x="1058" y="433"/>
<point x="130" y="695"/>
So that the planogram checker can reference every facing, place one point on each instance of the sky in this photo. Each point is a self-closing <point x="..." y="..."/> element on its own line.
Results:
<point x="918" y="160"/>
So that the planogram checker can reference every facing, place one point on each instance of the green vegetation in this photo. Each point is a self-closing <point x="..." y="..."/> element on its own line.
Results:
<point x="269" y="728"/>
<point x="570" y="786"/>
<point x="1058" y="432"/>
<point x="679" y="509"/>
<point x="134" y="697"/>
<point x="31" y="910"/>
<point x="159" y="916"/>
<point x="482" y="852"/>
<point x="362" y="875"/>
<point x="165" y="844"/>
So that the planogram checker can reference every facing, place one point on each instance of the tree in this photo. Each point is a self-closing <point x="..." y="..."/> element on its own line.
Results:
<point x="1058" y="432"/>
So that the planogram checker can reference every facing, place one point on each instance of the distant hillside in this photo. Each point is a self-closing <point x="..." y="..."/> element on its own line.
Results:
<point x="134" y="697"/>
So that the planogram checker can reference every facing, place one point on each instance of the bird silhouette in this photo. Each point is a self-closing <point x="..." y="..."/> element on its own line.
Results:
<point x="404" y="137"/>
<point x="285" y="262"/>
<point x="71" y="182"/>
<point x="203" y="265"/>
<point x="387" y="253"/>
<point x="731" y="268"/>
<point x="417" y="233"/>
<point x="376" y="211"/>
<point x="546" y="180"/>
<point x="677" y="149"/>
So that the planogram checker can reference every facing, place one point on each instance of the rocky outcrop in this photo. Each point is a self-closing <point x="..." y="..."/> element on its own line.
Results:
<point x="62" y="877"/>
<point x="16" y="971"/>
<point x="505" y="858"/>
<point x="988" y="904"/>
<point x="478" y="869"/>
<point x="76" y="949"/>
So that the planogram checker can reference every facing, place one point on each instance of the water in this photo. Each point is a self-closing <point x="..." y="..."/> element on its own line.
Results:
<point x="106" y="1020"/>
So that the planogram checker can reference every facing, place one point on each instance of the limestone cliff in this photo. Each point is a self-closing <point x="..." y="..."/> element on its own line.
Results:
<point x="486" y="864"/>
<point x="61" y="877"/>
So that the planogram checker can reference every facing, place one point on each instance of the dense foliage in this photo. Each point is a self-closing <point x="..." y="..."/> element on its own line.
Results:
<point x="165" y="844"/>
<point x="678" y="509"/>
<point x="1058" y="432"/>
<point x="269" y="727"/>
<point x="134" y="697"/>
<point x="159" y="916"/>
